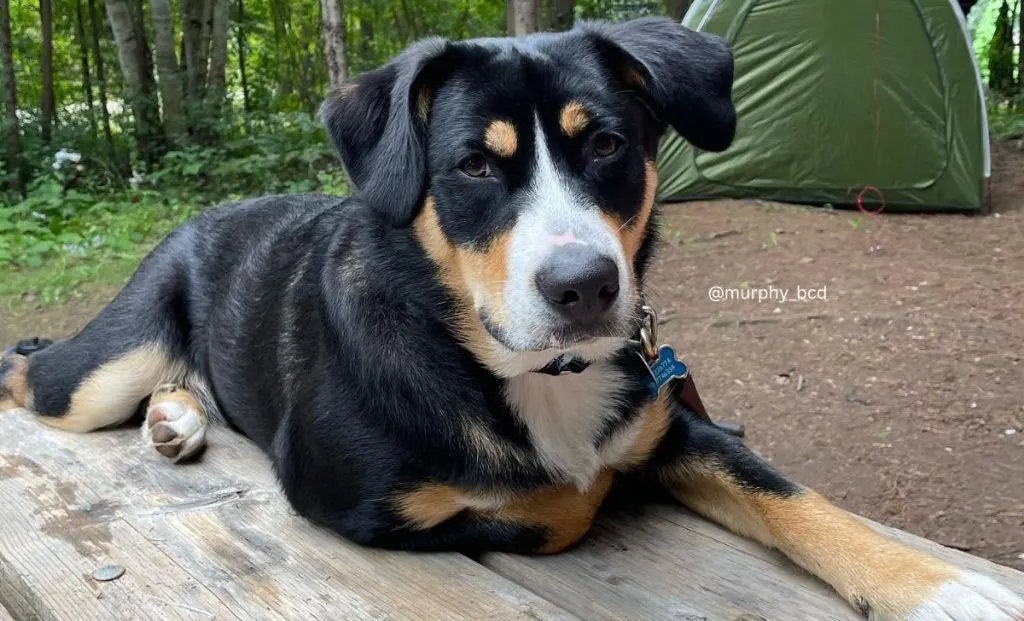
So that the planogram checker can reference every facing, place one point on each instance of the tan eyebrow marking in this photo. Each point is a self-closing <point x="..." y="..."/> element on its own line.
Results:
<point x="501" y="138"/>
<point x="574" y="118"/>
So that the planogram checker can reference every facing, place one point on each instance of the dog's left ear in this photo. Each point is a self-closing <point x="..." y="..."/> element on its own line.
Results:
<point x="378" y="123"/>
<point x="684" y="76"/>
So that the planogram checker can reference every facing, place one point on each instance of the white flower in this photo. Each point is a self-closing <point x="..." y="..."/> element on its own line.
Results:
<point x="65" y="155"/>
<point x="136" y="179"/>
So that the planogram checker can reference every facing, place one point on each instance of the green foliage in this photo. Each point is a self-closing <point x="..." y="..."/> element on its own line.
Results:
<point x="1001" y="53"/>
<point x="984" y="21"/>
<point x="75" y="211"/>
<point x="1006" y="118"/>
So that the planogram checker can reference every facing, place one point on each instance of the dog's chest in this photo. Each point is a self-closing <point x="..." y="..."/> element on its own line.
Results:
<point x="566" y="417"/>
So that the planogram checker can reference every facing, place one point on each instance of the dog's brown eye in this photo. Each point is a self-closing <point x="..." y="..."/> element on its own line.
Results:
<point x="605" y="145"/>
<point x="475" y="166"/>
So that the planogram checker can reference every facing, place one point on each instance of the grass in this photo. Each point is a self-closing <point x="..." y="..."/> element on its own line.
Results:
<point x="56" y="281"/>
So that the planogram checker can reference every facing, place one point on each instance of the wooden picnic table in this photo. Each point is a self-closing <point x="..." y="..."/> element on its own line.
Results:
<point x="217" y="540"/>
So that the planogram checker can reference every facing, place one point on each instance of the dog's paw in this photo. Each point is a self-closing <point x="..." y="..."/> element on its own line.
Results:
<point x="13" y="380"/>
<point x="175" y="427"/>
<point x="970" y="597"/>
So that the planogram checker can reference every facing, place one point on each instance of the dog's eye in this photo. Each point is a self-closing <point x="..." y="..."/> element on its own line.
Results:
<point x="605" y="144"/>
<point x="475" y="166"/>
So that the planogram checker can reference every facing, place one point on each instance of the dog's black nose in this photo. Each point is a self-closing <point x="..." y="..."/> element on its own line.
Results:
<point x="580" y="283"/>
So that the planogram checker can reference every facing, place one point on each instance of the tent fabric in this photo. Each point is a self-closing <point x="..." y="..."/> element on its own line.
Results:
<point x="840" y="99"/>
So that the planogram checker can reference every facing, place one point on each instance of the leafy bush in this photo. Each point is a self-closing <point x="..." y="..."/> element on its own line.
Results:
<point x="80" y="207"/>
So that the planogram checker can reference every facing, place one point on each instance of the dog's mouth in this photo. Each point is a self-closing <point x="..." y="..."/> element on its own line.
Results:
<point x="559" y="337"/>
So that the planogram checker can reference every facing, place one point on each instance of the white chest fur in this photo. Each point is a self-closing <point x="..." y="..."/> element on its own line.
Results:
<point x="565" y="416"/>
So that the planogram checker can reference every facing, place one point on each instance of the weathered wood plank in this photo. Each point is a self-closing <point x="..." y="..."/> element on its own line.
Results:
<point x="213" y="540"/>
<point x="4" y="615"/>
<point x="668" y="564"/>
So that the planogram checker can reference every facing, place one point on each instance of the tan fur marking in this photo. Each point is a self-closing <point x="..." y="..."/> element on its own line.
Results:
<point x="632" y="232"/>
<point x="564" y="511"/>
<point x="15" y="391"/>
<point x="348" y="89"/>
<point x="112" y="392"/>
<point x="464" y="271"/>
<point x="500" y="137"/>
<point x="429" y="505"/>
<point x="635" y="79"/>
<point x="820" y="537"/>
<point x="423" y="103"/>
<point x="573" y="119"/>
<point x="653" y="425"/>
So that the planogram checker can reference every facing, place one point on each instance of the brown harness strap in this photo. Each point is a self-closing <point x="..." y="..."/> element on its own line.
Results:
<point x="685" y="392"/>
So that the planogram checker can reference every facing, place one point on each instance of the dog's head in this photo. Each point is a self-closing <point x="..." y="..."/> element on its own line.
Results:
<point x="526" y="168"/>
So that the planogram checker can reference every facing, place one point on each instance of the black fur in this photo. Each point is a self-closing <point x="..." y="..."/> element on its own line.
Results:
<point x="321" y="325"/>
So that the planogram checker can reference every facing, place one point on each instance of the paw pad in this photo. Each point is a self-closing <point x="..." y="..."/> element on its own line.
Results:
<point x="175" y="430"/>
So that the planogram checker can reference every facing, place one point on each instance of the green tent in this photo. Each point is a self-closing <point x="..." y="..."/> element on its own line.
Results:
<point x="843" y="100"/>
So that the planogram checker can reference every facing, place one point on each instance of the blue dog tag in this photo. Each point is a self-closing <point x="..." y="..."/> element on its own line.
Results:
<point x="666" y="368"/>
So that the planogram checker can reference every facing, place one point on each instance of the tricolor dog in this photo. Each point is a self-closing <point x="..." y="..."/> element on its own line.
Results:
<point x="449" y="359"/>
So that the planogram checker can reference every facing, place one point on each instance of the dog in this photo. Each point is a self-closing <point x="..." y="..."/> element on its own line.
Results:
<point x="458" y="357"/>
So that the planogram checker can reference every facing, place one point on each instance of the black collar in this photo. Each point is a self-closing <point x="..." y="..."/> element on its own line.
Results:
<point x="564" y="364"/>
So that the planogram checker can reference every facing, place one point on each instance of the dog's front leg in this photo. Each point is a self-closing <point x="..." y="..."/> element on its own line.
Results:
<point x="718" y="477"/>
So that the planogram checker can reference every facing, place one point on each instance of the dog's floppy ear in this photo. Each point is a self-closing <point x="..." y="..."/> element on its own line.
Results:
<point x="684" y="76"/>
<point x="378" y="123"/>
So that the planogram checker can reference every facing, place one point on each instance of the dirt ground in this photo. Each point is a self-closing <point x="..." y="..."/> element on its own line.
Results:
<point x="900" y="395"/>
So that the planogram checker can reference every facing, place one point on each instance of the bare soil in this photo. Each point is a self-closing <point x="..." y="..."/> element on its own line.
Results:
<point x="900" y="395"/>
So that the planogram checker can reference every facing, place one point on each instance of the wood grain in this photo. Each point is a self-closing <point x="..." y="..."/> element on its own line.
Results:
<point x="216" y="540"/>
<point x="665" y="563"/>
<point x="211" y="540"/>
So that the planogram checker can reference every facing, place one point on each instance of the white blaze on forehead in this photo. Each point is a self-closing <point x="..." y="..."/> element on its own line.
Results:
<point x="552" y="214"/>
<point x="549" y="190"/>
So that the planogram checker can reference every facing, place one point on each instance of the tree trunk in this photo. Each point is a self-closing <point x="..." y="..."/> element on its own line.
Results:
<point x="10" y="98"/>
<point x="101" y="81"/>
<point x="1020" y="59"/>
<point x="524" y="16"/>
<point x="132" y="56"/>
<point x="205" y="30"/>
<point x="216" y="82"/>
<point x="83" y="52"/>
<point x="171" y="93"/>
<point x="561" y="15"/>
<point x="510" y="17"/>
<point x="241" y="60"/>
<point x="194" y="54"/>
<point x="676" y="9"/>
<point x="332" y="14"/>
<point x="48" y="104"/>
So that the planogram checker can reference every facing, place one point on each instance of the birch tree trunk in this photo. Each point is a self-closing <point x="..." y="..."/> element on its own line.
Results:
<point x="10" y="94"/>
<point x="333" y="17"/>
<point x="132" y="56"/>
<point x="48" y="104"/>
<point x="171" y="92"/>
<point x="524" y="14"/>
